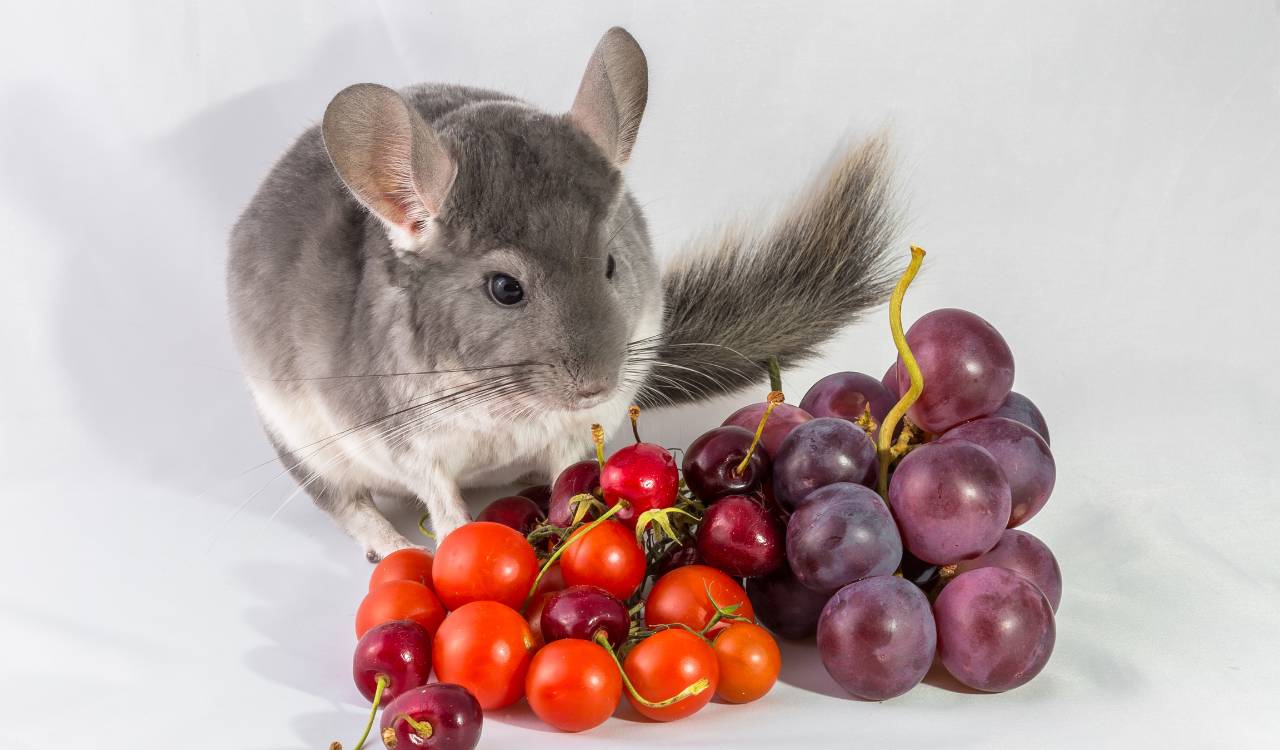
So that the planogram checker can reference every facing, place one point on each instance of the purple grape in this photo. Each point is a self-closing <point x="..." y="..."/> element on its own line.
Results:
<point x="1022" y="455"/>
<point x="995" y="629"/>
<point x="843" y="533"/>
<point x="710" y="465"/>
<point x="820" y="452"/>
<point x="447" y="717"/>
<point x="1019" y="408"/>
<point x="951" y="501"/>
<point x="540" y="494"/>
<point x="890" y="381"/>
<point x="580" y="611"/>
<point x="782" y="420"/>
<point x="577" y="479"/>
<point x="516" y="511"/>
<point x="1028" y="557"/>
<point x="847" y="395"/>
<point x="740" y="536"/>
<point x="967" y="368"/>
<point x="784" y="605"/>
<point x="876" y="637"/>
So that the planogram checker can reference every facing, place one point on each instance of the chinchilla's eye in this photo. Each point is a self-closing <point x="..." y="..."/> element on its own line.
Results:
<point x="608" y="267"/>
<point x="505" y="290"/>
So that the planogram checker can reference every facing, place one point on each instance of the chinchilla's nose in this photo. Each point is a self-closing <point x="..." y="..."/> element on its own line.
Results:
<point x="593" y="390"/>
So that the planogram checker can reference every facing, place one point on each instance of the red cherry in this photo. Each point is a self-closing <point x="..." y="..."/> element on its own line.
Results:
<point x="397" y="652"/>
<point x="644" y="475"/>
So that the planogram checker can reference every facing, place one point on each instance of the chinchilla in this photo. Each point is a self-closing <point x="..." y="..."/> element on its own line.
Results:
<point x="441" y="287"/>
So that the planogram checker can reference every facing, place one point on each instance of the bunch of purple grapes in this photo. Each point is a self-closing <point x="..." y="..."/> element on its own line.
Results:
<point x="936" y="567"/>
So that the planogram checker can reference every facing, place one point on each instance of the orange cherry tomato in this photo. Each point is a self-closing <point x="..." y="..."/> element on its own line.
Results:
<point x="681" y="597"/>
<point x="399" y="600"/>
<point x="573" y="685"/>
<point x="606" y="556"/>
<point x="484" y="561"/>
<point x="411" y="564"/>
<point x="663" y="665"/>
<point x="749" y="662"/>
<point x="485" y="647"/>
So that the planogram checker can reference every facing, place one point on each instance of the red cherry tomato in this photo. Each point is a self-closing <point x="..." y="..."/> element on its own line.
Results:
<point x="644" y="475"/>
<point x="573" y="685"/>
<point x="663" y="665"/>
<point x="749" y="662"/>
<point x="485" y="647"/>
<point x="681" y="597"/>
<point x="399" y="600"/>
<point x="606" y="556"/>
<point x="411" y="564"/>
<point x="484" y="561"/>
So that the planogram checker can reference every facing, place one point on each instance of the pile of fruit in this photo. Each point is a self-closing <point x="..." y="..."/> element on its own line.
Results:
<point x="632" y="576"/>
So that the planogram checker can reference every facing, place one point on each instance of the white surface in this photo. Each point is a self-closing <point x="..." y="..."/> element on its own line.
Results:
<point x="1100" y="180"/>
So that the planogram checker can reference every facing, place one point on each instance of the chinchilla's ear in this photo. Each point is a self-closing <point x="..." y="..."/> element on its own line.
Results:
<point x="613" y="93"/>
<point x="389" y="158"/>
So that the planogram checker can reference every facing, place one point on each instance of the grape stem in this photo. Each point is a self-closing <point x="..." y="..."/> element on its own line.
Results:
<point x="774" y="398"/>
<point x="699" y="685"/>
<point x="583" y="531"/>
<point x="373" y="712"/>
<point x="884" y="447"/>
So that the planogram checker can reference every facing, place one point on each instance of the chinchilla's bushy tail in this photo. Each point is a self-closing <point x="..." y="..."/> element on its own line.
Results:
<point x="780" y="290"/>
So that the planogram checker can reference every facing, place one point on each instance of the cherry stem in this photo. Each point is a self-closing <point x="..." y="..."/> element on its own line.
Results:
<point x="422" y="728"/>
<point x="693" y="689"/>
<point x="373" y="712"/>
<point x="422" y="527"/>
<point x="597" y="437"/>
<point x="634" y="412"/>
<point x="775" y="374"/>
<point x="583" y="531"/>
<point x="909" y="361"/>
<point x="774" y="398"/>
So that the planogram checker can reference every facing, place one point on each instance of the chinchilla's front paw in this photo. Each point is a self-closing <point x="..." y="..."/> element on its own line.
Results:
<point x="444" y="524"/>
<point x="384" y="544"/>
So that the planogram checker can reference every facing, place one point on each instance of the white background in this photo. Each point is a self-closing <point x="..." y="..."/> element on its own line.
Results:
<point x="1100" y="180"/>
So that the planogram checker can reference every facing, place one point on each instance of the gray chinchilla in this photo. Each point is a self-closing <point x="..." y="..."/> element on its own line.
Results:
<point x="443" y="286"/>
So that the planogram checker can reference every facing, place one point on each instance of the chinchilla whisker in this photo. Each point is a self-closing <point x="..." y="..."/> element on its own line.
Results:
<point x="320" y="445"/>
<point x="404" y="374"/>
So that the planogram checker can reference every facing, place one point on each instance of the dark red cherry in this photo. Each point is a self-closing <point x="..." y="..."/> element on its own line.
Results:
<point x="399" y="652"/>
<point x="644" y="475"/>
<point x="740" y="536"/>
<point x="439" y="716"/>
<point x="685" y="554"/>
<point x="580" y="611"/>
<point x="520" y="513"/>
<point x="540" y="494"/>
<point x="711" y="464"/>
<point x="580" y="478"/>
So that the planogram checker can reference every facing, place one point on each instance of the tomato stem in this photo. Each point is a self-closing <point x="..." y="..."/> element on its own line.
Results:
<point x="373" y="712"/>
<point x="899" y="409"/>
<point x="691" y="690"/>
<point x="774" y="398"/>
<point x="581" y="532"/>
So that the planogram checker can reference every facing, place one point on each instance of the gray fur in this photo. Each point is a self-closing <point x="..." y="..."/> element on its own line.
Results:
<point x="379" y="362"/>
<point x="779" y="291"/>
